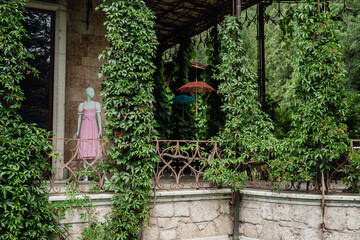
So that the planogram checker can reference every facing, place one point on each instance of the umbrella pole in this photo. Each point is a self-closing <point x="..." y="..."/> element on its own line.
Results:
<point x="182" y="111"/>
<point x="196" y="102"/>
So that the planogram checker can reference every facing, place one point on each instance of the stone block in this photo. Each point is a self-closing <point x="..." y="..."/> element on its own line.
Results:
<point x="162" y="210"/>
<point x="281" y="212"/>
<point x="249" y="230"/>
<point x="153" y="221"/>
<point x="310" y="215"/>
<point x="251" y="215"/>
<point x="335" y="218"/>
<point x="294" y="225"/>
<point x="185" y="219"/>
<point x="267" y="211"/>
<point x="287" y="233"/>
<point x="201" y="226"/>
<point x="202" y="211"/>
<point x="90" y="61"/>
<point x="210" y="230"/>
<point x="250" y="205"/>
<point x="270" y="231"/>
<point x="168" y="235"/>
<point x="168" y="223"/>
<point x="334" y="235"/>
<point x="182" y="209"/>
<point x="224" y="224"/>
<point x="307" y="234"/>
<point x="74" y="216"/>
<point x="353" y="219"/>
<point x="224" y="207"/>
<point x="101" y="212"/>
<point x="162" y="222"/>
<point x="74" y="38"/>
<point x="187" y="230"/>
<point x="150" y="233"/>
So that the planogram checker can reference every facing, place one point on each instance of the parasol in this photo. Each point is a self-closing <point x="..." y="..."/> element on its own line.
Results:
<point x="196" y="87"/>
<point x="183" y="99"/>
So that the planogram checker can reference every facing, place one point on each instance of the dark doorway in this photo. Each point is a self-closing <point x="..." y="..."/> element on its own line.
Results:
<point x="38" y="104"/>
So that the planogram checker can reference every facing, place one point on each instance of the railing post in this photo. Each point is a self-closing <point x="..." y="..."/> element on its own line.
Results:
<point x="58" y="146"/>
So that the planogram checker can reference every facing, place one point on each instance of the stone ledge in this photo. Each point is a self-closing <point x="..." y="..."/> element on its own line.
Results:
<point x="296" y="198"/>
<point x="300" y="198"/>
<point x="190" y="195"/>
<point x="101" y="199"/>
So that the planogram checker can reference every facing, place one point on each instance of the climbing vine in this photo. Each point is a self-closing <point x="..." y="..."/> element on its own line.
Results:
<point x="316" y="95"/>
<point x="246" y="138"/>
<point x="163" y="96"/>
<point x="216" y="118"/>
<point x="24" y="204"/>
<point x="127" y="91"/>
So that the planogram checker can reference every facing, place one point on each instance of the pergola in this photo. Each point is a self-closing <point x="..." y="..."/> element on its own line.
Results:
<point x="174" y="18"/>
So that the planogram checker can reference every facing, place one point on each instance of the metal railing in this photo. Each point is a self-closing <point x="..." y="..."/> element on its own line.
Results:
<point x="75" y="163"/>
<point x="181" y="165"/>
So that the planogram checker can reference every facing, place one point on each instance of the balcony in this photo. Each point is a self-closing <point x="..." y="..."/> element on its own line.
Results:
<point x="181" y="166"/>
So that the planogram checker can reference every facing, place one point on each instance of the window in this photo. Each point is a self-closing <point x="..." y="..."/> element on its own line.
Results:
<point x="38" y="105"/>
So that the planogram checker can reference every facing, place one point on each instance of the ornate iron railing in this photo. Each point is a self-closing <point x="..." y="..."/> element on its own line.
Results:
<point x="72" y="167"/>
<point x="181" y="165"/>
<point x="332" y="177"/>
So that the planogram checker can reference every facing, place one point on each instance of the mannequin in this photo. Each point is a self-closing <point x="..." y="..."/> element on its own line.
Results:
<point x="89" y="127"/>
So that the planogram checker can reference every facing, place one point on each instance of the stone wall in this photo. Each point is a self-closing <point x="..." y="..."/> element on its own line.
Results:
<point x="102" y="205"/>
<point x="269" y="215"/>
<point x="207" y="214"/>
<point x="197" y="214"/>
<point x="85" y="41"/>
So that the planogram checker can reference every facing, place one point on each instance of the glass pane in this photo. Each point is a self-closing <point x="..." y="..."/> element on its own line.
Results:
<point x="37" y="107"/>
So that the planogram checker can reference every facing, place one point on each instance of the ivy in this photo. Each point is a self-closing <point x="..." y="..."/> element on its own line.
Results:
<point x="127" y="91"/>
<point x="318" y="135"/>
<point x="24" y="204"/>
<point x="163" y="96"/>
<point x="216" y="119"/>
<point x="246" y="138"/>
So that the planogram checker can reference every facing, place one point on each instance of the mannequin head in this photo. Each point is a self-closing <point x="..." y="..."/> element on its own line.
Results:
<point x="90" y="92"/>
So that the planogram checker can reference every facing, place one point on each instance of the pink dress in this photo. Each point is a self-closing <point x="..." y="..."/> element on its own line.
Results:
<point x="89" y="149"/>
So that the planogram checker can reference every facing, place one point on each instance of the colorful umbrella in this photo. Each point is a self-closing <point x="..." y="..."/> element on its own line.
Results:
<point x="196" y="87"/>
<point x="183" y="99"/>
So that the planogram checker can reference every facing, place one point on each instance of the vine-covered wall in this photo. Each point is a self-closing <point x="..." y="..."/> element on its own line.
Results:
<point x="127" y="91"/>
<point x="24" y="206"/>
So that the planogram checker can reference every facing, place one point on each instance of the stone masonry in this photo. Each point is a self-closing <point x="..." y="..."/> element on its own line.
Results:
<point x="189" y="220"/>
<point x="295" y="216"/>
<point x="265" y="215"/>
<point x="85" y="41"/>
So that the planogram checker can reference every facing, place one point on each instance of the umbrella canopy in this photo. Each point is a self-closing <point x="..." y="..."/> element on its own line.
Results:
<point x="183" y="99"/>
<point x="196" y="87"/>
